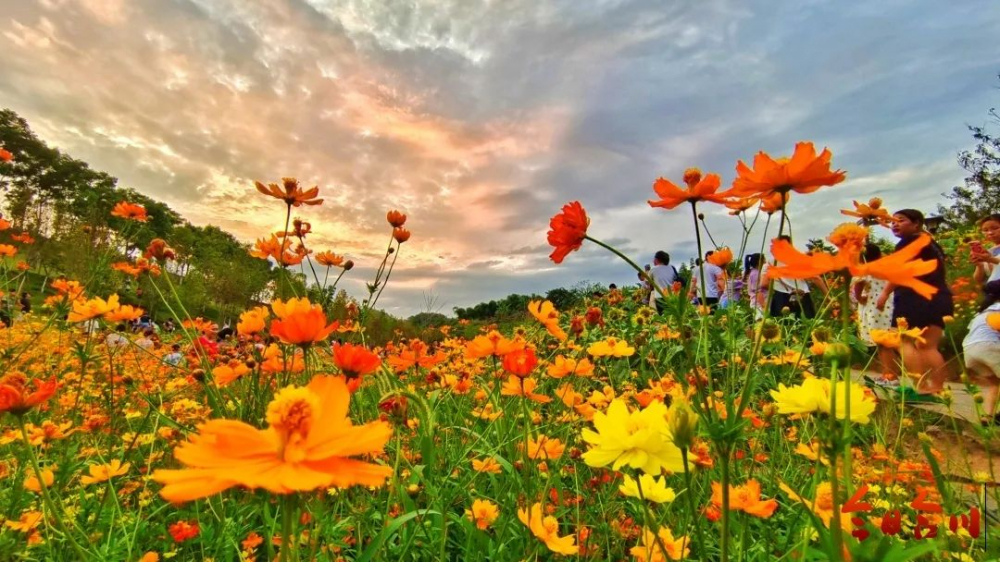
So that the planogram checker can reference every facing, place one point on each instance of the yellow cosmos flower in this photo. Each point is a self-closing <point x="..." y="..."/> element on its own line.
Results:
<point x="563" y="367"/>
<point x="284" y="309"/>
<point x="611" y="347"/>
<point x="652" y="545"/>
<point x="32" y="483"/>
<point x="816" y="395"/>
<point x="653" y="489"/>
<point x="105" y="472"/>
<point x="90" y="309"/>
<point x="639" y="439"/>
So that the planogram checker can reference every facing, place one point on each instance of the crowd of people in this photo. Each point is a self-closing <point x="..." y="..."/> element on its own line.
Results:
<point x="879" y="306"/>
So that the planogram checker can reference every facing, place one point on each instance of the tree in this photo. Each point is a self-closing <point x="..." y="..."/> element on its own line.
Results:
<point x="980" y="195"/>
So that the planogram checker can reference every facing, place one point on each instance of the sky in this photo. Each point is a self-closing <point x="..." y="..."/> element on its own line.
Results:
<point x="479" y="120"/>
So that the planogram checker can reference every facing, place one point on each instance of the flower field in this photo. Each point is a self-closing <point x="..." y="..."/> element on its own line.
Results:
<point x="605" y="432"/>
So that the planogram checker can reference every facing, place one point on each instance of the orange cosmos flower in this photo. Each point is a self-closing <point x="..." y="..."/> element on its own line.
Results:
<point x="698" y="189"/>
<point x="488" y="465"/>
<point x="483" y="514"/>
<point x="822" y="505"/>
<point x="545" y="312"/>
<point x="567" y="230"/>
<point x="279" y="250"/>
<point x="252" y="321"/>
<point x="24" y="238"/>
<point x="521" y="362"/>
<point x="771" y="203"/>
<point x="546" y="528"/>
<point x="400" y="234"/>
<point x="129" y="211"/>
<point x="290" y="192"/>
<point x="545" y="448"/>
<point x="159" y="250"/>
<point x="5" y="155"/>
<point x="307" y="446"/>
<point x="415" y="354"/>
<point x="124" y="313"/>
<point x="741" y="205"/>
<point x="745" y="498"/>
<point x="518" y="386"/>
<point x="721" y="257"/>
<point x="225" y="374"/>
<point x="105" y="472"/>
<point x="492" y="343"/>
<point x="355" y="361"/>
<point x="563" y="367"/>
<point x="15" y="397"/>
<point x="4" y="224"/>
<point x="395" y="218"/>
<point x="804" y="172"/>
<point x="869" y="214"/>
<point x="899" y="268"/>
<point x="329" y="259"/>
<point x="88" y="310"/>
<point x="7" y="250"/>
<point x="300" y="325"/>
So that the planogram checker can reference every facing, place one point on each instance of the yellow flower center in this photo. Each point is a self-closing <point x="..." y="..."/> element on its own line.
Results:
<point x="291" y="414"/>
<point x="849" y="235"/>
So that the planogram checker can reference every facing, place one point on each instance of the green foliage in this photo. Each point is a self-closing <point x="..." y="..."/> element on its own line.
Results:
<point x="980" y="196"/>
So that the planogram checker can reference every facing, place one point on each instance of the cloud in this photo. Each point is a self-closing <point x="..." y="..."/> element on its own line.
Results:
<point x="480" y="119"/>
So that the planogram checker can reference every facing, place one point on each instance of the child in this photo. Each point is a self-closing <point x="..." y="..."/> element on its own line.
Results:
<point x="981" y="349"/>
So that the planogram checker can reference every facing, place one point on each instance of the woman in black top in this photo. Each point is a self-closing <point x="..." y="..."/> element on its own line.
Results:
<point x="925" y="359"/>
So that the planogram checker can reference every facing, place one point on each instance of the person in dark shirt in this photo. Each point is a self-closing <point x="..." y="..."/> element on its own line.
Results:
<point x="25" y="303"/>
<point x="921" y="359"/>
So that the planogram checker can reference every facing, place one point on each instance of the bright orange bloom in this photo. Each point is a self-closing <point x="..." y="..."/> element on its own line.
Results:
<point x="547" y="530"/>
<point x="15" y="397"/>
<point x="899" y="268"/>
<point x="4" y="224"/>
<point x="740" y="205"/>
<point x="299" y="324"/>
<point x="415" y="354"/>
<point x="290" y="192"/>
<point x="105" y="472"/>
<point x="279" y="250"/>
<point x="545" y="448"/>
<point x="869" y="214"/>
<point x="698" y="189"/>
<point x="124" y="313"/>
<point x="252" y="321"/>
<point x="652" y="545"/>
<point x="488" y="465"/>
<point x="567" y="230"/>
<point x="483" y="513"/>
<point x="721" y="257"/>
<point x="88" y="310"/>
<point x="771" y="203"/>
<point x="329" y="259"/>
<point x="225" y="374"/>
<point x="563" y="367"/>
<point x="355" y="361"/>
<point x="159" y="250"/>
<point x="130" y="211"/>
<point x="5" y="155"/>
<point x="7" y="250"/>
<point x="400" y="234"/>
<point x="521" y="362"/>
<point x="306" y="446"/>
<point x="745" y="498"/>
<point x="547" y="314"/>
<point x="23" y="237"/>
<point x="804" y="172"/>
<point x="517" y="386"/>
<point x="395" y="218"/>
<point x="492" y="343"/>
<point x="822" y="505"/>
<point x="32" y="483"/>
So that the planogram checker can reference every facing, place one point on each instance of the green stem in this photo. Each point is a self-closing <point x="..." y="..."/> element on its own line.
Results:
<point x="80" y="553"/>
<point x="690" y="501"/>
<point x="289" y="552"/>
<point x="725" y="504"/>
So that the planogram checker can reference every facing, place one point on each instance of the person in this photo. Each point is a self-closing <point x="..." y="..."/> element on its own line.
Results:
<point x="715" y="282"/>
<point x="922" y="359"/>
<point x="986" y="260"/>
<point x="866" y="290"/>
<point x="755" y="284"/>
<point x="145" y="342"/>
<point x="25" y="303"/>
<point x="175" y="356"/>
<point x="794" y="294"/>
<point x="168" y="326"/>
<point x="117" y="339"/>
<point x="981" y="349"/>
<point x="644" y="287"/>
<point x="661" y="275"/>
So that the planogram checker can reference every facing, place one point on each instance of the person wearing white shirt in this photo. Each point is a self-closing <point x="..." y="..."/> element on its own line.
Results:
<point x="794" y="294"/>
<point x="715" y="282"/>
<point x="981" y="349"/>
<point x="662" y="275"/>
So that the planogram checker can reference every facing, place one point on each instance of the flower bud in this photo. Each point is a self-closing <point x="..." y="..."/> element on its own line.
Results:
<point x="683" y="423"/>
<point x="837" y="351"/>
